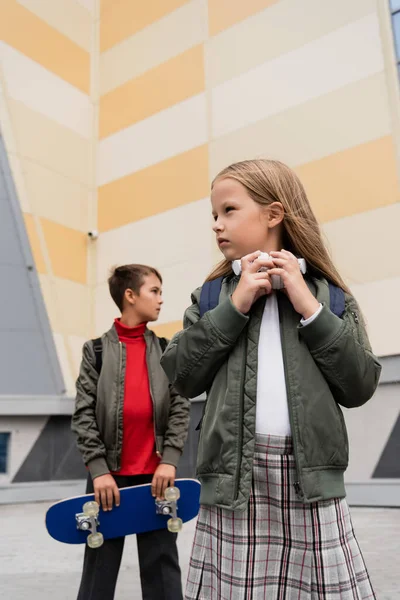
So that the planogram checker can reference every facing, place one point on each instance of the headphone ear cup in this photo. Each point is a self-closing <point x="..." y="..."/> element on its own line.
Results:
<point x="237" y="266"/>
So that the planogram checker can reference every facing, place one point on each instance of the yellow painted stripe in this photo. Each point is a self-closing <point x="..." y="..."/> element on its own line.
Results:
<point x="28" y="34"/>
<point x="167" y="330"/>
<point x="35" y="243"/>
<point x="122" y="18"/>
<point x="161" y="87"/>
<point x="225" y="13"/>
<point x="67" y="249"/>
<point x="352" y="181"/>
<point x="171" y="183"/>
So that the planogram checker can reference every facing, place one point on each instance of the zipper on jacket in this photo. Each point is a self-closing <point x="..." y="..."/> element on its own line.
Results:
<point x="153" y="401"/>
<point x="355" y="317"/>
<point x="298" y="483"/>
<point x="240" y="437"/>
<point x="119" y="401"/>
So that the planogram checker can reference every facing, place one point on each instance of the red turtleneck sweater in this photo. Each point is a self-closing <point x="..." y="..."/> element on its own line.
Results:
<point x="138" y="442"/>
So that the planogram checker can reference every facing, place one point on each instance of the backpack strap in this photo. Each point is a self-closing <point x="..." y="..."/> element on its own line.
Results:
<point x="163" y="343"/>
<point x="210" y="292"/>
<point x="98" y="353"/>
<point x="336" y="300"/>
<point x="209" y="296"/>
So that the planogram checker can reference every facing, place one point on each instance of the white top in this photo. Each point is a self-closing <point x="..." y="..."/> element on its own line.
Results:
<point x="272" y="413"/>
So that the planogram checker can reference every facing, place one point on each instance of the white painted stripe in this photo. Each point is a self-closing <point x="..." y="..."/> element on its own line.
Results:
<point x="280" y="28"/>
<point x="312" y="127"/>
<point x="359" y="256"/>
<point x="173" y="34"/>
<point x="66" y="16"/>
<point x="348" y="54"/>
<point x="46" y="93"/>
<point x="148" y="241"/>
<point x="169" y="132"/>
<point x="379" y="302"/>
<point x="88" y="4"/>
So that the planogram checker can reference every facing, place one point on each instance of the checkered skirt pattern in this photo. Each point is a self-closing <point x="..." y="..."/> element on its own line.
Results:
<point x="279" y="548"/>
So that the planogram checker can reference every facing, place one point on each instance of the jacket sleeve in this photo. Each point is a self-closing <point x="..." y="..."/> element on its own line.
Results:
<point x="196" y="353"/>
<point x="84" y="422"/>
<point x="177" y="429"/>
<point x="341" y="349"/>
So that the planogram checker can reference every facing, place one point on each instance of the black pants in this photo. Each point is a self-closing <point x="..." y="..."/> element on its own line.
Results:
<point x="160" y="574"/>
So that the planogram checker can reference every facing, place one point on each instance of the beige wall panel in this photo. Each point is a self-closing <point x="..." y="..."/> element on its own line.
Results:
<point x="68" y="305"/>
<point x="166" y="185"/>
<point x="164" y="135"/>
<point x="42" y="91"/>
<point x="166" y="85"/>
<point x="379" y="302"/>
<point x="335" y="60"/>
<point x="358" y="243"/>
<point x="105" y="309"/>
<point x="173" y="34"/>
<point x="66" y="16"/>
<point x="225" y="13"/>
<point x="356" y="180"/>
<point x="62" y="355"/>
<point x="183" y="233"/>
<point x="67" y="250"/>
<point x="352" y="115"/>
<point x="48" y="143"/>
<point x="75" y="344"/>
<point x="24" y="31"/>
<point x="283" y="27"/>
<point x="56" y="197"/>
<point x="166" y="330"/>
<point x="122" y="18"/>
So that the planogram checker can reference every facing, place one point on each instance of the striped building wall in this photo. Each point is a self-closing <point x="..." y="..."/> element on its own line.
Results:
<point x="116" y="116"/>
<point x="215" y="82"/>
<point x="48" y="109"/>
<point x="47" y="120"/>
<point x="188" y="87"/>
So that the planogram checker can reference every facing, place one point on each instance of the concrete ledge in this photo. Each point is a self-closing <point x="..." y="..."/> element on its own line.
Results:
<point x="378" y="492"/>
<point x="18" y="493"/>
<point x="23" y="406"/>
<point x="382" y="493"/>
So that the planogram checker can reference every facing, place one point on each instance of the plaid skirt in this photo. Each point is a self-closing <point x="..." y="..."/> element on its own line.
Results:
<point x="279" y="548"/>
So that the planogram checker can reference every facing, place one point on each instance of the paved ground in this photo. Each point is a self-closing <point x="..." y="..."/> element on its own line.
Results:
<point x="35" y="567"/>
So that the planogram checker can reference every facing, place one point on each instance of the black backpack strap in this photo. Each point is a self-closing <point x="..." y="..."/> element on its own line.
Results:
<point x="98" y="353"/>
<point x="209" y="296"/>
<point x="163" y="343"/>
<point x="336" y="300"/>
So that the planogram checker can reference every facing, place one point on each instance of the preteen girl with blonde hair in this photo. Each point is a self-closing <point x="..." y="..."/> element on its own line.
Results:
<point x="276" y="366"/>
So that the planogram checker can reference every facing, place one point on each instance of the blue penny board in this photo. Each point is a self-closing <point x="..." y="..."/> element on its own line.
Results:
<point x="136" y="513"/>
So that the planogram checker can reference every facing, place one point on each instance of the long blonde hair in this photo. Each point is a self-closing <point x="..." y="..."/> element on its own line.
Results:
<point x="268" y="181"/>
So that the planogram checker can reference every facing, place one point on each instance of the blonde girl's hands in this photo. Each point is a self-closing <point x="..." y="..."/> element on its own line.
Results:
<point x="287" y="267"/>
<point x="252" y="284"/>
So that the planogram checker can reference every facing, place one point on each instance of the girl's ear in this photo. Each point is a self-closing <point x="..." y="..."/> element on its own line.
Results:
<point x="275" y="214"/>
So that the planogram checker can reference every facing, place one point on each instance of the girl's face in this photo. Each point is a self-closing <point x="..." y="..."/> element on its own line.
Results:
<point x="240" y="224"/>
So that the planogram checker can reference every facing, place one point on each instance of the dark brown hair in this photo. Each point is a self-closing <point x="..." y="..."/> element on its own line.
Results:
<point x="268" y="181"/>
<point x="128" y="277"/>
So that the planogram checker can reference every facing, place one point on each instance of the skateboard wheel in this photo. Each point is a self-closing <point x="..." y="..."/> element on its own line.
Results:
<point x="95" y="540"/>
<point x="90" y="509"/>
<point x="172" y="494"/>
<point x="174" y="525"/>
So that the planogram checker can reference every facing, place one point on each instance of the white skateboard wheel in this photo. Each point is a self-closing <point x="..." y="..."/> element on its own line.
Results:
<point x="174" y="525"/>
<point x="172" y="494"/>
<point x="95" y="540"/>
<point x="90" y="509"/>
